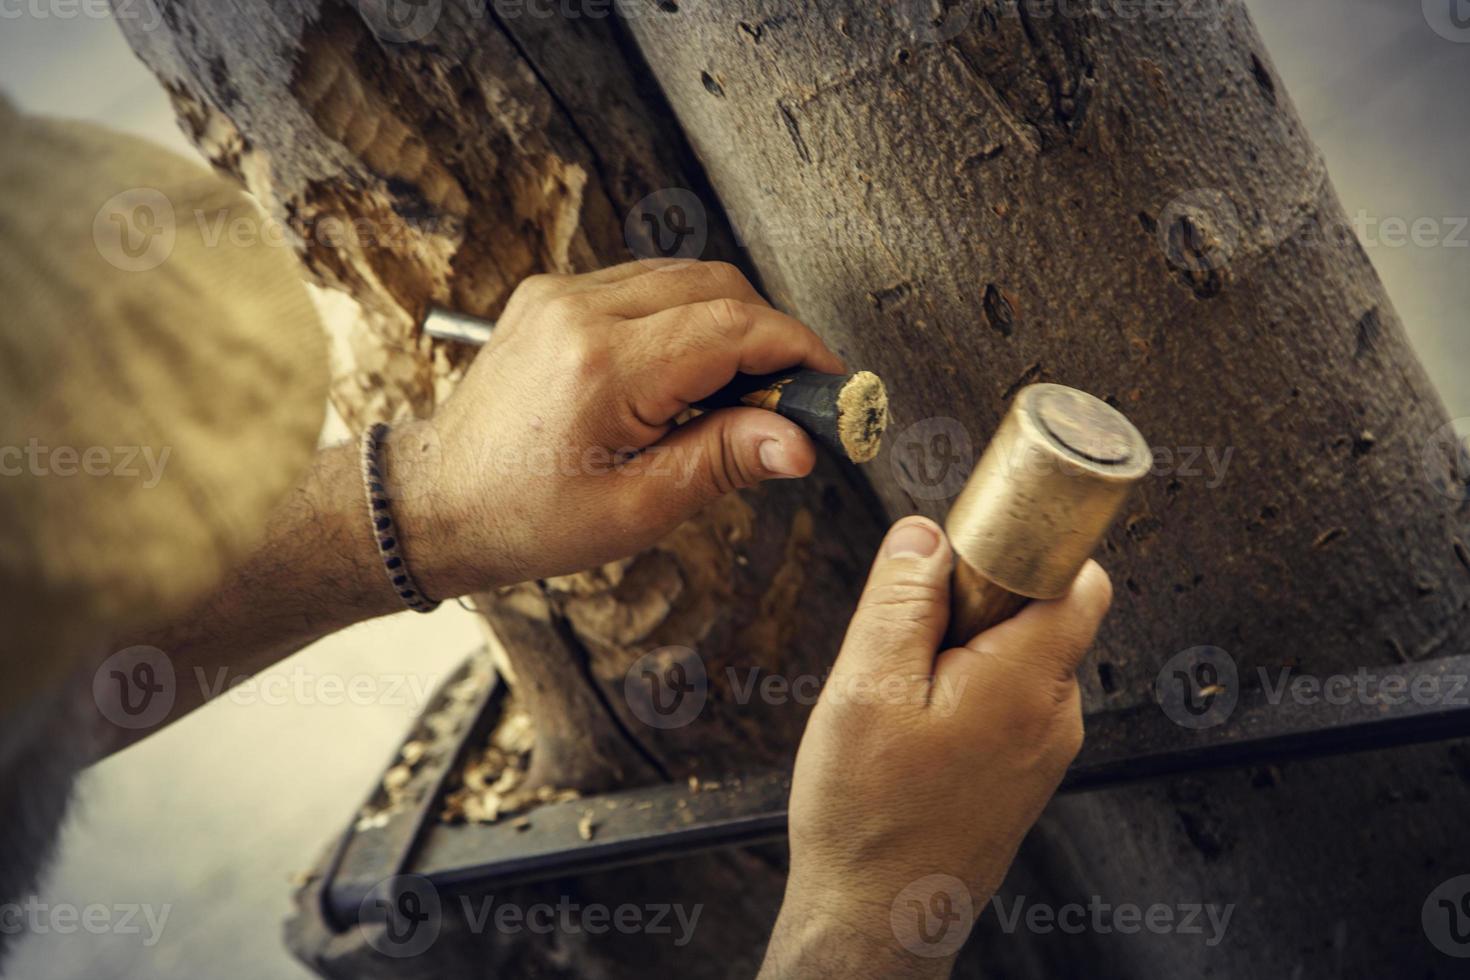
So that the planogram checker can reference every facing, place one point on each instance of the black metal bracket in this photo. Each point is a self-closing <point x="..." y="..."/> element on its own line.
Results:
<point x="666" y="821"/>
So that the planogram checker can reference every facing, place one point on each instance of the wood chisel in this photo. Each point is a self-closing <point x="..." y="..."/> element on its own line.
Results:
<point x="845" y="412"/>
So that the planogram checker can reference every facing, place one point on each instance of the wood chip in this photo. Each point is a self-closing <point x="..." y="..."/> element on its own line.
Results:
<point x="587" y="826"/>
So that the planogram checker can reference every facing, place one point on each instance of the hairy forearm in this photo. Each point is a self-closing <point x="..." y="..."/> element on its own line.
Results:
<point x="808" y="943"/>
<point x="316" y="571"/>
<point x="531" y="469"/>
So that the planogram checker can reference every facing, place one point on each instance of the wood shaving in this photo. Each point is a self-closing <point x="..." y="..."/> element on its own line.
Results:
<point x="587" y="826"/>
<point x="490" y="786"/>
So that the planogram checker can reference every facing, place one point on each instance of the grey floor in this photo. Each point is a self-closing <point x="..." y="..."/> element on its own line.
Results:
<point x="209" y="819"/>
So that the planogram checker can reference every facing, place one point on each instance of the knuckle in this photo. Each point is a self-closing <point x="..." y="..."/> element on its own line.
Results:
<point x="899" y="600"/>
<point x="724" y="468"/>
<point x="537" y="288"/>
<point x="728" y="316"/>
<point x="566" y="307"/>
<point x="1069" y="739"/>
<point x="891" y="612"/>
<point x="1043" y="715"/>
<point x="1066" y="648"/>
<point x="588" y="357"/>
<point x="725" y="275"/>
<point x="541" y="282"/>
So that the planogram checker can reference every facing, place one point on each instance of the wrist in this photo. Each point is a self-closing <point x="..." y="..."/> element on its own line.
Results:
<point x="326" y="528"/>
<point x="422" y="505"/>
<point x="811" y="939"/>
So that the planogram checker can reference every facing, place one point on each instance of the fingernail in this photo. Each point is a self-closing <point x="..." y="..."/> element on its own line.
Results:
<point x="917" y="539"/>
<point x="775" y="460"/>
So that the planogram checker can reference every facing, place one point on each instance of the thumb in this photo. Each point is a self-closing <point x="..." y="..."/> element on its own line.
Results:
<point x="904" y="609"/>
<point x="730" y="449"/>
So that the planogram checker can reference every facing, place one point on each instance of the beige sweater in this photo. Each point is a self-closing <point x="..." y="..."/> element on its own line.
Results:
<point x="162" y="384"/>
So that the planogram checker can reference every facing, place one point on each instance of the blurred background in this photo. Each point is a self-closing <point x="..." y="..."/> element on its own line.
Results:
<point x="212" y="817"/>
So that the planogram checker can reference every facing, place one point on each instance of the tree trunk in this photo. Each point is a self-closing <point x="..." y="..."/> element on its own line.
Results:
<point x="964" y="201"/>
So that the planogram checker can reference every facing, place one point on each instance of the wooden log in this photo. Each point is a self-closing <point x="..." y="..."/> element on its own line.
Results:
<point x="968" y="201"/>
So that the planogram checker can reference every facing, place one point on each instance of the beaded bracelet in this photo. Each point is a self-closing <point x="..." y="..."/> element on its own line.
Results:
<point x="380" y="513"/>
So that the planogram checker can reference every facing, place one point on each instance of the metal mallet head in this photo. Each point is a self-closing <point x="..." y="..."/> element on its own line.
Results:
<point x="1042" y="496"/>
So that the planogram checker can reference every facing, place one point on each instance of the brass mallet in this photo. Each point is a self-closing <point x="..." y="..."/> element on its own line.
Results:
<point x="1044" y="493"/>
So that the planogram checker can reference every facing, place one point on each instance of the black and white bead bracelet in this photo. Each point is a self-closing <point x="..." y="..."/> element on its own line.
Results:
<point x="380" y="512"/>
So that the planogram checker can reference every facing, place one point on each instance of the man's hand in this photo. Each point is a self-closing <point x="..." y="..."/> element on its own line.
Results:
<point x="559" y="452"/>
<point x="921" y="770"/>
<point x="525" y="471"/>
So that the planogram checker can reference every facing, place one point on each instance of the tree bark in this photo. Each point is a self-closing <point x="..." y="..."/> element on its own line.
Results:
<point x="964" y="200"/>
